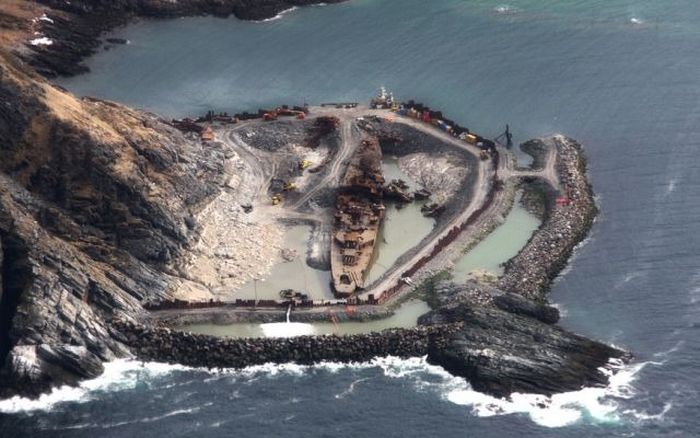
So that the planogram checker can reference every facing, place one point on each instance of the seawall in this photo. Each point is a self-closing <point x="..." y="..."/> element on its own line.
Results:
<point x="166" y="345"/>
<point x="531" y="272"/>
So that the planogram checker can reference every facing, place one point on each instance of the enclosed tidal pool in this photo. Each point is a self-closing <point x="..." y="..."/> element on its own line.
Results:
<point x="498" y="247"/>
<point x="405" y="316"/>
<point x="403" y="229"/>
<point x="488" y="256"/>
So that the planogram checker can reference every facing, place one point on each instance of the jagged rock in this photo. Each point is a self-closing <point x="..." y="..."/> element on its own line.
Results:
<point x="520" y="305"/>
<point x="501" y="352"/>
<point x="93" y="203"/>
<point x="72" y="362"/>
<point x="31" y="369"/>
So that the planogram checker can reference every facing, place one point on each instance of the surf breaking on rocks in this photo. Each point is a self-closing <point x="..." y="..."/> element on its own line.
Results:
<point x="594" y="405"/>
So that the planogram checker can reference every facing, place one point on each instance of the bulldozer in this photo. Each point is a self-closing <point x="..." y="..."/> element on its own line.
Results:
<point x="304" y="164"/>
<point x="289" y="186"/>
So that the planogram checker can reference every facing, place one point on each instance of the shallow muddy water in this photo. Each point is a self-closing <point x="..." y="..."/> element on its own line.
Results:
<point x="403" y="228"/>
<point x="404" y="317"/>
<point x="294" y="274"/>
<point x="500" y="246"/>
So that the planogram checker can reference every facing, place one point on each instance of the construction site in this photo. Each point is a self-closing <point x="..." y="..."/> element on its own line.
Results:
<point x="337" y="204"/>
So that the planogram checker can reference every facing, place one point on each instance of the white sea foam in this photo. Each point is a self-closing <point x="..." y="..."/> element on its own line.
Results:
<point x="43" y="41"/>
<point x="636" y="21"/>
<point x="597" y="404"/>
<point x="286" y="329"/>
<point x="629" y="277"/>
<point x="646" y="417"/>
<point x="351" y="388"/>
<point x="505" y="9"/>
<point x="278" y="16"/>
<point x="118" y="375"/>
<point x="563" y="311"/>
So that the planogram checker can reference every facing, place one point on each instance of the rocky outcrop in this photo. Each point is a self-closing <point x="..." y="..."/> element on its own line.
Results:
<point x="77" y="25"/>
<point x="500" y="352"/>
<point x="519" y="305"/>
<point x="95" y="199"/>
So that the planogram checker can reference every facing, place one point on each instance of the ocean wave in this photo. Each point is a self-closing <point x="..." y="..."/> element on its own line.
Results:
<point x="505" y="9"/>
<point x="597" y="404"/>
<point x="121" y="374"/>
<point x="278" y="16"/>
<point x="671" y="186"/>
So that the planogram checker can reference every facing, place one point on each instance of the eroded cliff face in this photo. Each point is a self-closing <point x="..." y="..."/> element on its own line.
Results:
<point x="95" y="199"/>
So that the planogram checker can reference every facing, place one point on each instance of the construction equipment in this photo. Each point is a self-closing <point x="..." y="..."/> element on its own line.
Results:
<point x="304" y="164"/>
<point x="289" y="186"/>
<point x="276" y="199"/>
<point x="507" y="136"/>
<point x="207" y="134"/>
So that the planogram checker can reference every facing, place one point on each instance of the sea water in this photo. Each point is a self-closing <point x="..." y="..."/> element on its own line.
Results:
<point x="620" y="76"/>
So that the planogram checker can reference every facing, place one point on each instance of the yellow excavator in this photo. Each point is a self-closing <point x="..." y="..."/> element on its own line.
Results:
<point x="276" y="199"/>
<point x="304" y="164"/>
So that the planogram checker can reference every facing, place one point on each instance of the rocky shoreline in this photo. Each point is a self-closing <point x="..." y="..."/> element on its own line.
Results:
<point x="96" y="200"/>
<point x="76" y="27"/>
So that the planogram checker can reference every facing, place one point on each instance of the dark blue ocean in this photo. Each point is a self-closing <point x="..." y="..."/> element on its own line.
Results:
<point x="620" y="76"/>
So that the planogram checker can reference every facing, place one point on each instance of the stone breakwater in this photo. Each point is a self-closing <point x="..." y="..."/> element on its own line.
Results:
<point x="166" y="345"/>
<point x="531" y="272"/>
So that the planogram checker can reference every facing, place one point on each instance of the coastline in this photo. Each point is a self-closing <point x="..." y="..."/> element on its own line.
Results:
<point x="73" y="30"/>
<point x="101" y="311"/>
<point x="506" y="313"/>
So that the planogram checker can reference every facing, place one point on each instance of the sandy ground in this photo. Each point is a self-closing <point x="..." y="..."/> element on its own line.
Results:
<point x="234" y="247"/>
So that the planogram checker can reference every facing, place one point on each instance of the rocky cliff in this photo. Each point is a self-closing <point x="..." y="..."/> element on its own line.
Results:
<point x="95" y="199"/>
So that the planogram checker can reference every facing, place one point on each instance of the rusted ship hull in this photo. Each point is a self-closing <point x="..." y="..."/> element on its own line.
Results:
<point x="358" y="219"/>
